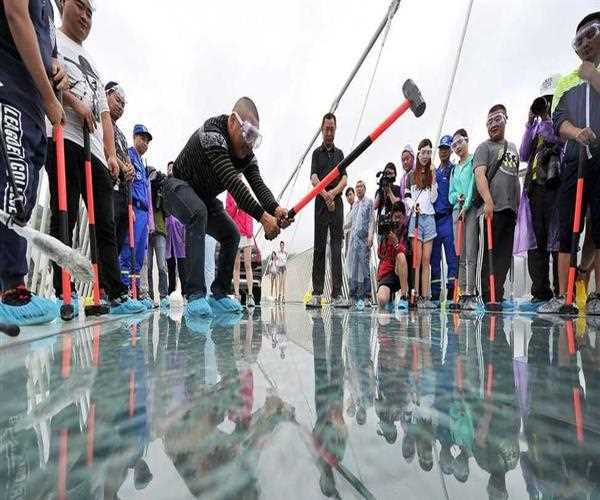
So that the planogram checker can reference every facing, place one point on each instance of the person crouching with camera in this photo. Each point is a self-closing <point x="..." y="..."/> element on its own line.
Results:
<point x="392" y="273"/>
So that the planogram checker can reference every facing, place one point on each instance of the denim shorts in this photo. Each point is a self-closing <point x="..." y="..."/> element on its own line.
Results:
<point x="427" y="231"/>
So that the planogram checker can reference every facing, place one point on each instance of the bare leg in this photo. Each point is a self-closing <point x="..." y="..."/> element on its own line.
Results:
<point x="282" y="278"/>
<point x="564" y="260"/>
<point x="236" y="275"/>
<point x="419" y="251"/>
<point x="402" y="273"/>
<point x="383" y="296"/>
<point x="273" y="276"/>
<point x="248" y="266"/>
<point x="425" y="263"/>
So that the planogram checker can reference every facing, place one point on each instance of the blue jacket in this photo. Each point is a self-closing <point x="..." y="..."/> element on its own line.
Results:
<point x="442" y="174"/>
<point x="139" y="188"/>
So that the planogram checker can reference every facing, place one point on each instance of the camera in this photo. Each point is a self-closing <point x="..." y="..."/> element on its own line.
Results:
<point x="385" y="179"/>
<point x="385" y="224"/>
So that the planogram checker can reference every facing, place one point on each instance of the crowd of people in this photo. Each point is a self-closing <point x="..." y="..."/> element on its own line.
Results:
<point x="137" y="214"/>
<point x="142" y="215"/>
<point x="421" y="216"/>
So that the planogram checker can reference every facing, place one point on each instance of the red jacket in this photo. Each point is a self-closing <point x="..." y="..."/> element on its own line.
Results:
<point x="387" y="257"/>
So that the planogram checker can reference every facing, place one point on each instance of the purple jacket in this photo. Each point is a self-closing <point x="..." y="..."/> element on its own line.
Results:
<point x="175" y="238"/>
<point x="545" y="129"/>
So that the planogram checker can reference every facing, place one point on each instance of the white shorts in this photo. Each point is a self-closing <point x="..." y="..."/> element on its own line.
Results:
<point x="245" y="242"/>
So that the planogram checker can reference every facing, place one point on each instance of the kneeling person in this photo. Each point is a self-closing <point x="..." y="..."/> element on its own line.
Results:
<point x="211" y="162"/>
<point x="392" y="273"/>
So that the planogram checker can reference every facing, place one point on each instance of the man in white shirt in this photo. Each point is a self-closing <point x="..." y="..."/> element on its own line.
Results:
<point x="86" y="106"/>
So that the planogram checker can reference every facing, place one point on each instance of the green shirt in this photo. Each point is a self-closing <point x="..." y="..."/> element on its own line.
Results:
<point x="462" y="181"/>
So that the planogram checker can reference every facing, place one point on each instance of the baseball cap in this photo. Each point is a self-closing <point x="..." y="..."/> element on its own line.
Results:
<point x="549" y="85"/>
<point x="140" y="129"/>
<point x="408" y="149"/>
<point x="594" y="16"/>
<point x="445" y="141"/>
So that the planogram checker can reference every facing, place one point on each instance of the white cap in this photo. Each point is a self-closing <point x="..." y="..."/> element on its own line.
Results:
<point x="549" y="85"/>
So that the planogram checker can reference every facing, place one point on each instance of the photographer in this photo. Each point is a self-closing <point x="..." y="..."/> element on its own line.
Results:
<point x="388" y="193"/>
<point x="541" y="149"/>
<point x="392" y="273"/>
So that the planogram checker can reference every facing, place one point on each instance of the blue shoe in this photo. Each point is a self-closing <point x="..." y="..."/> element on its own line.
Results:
<point x="226" y="305"/>
<point x="165" y="303"/>
<point x="148" y="303"/>
<point x="360" y="305"/>
<point x="531" y="307"/>
<point x="198" y="308"/>
<point x="402" y="305"/>
<point x="20" y="307"/>
<point x="126" y="305"/>
<point x="74" y="303"/>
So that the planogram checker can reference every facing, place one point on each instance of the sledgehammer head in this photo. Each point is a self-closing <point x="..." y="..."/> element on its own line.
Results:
<point x="413" y="95"/>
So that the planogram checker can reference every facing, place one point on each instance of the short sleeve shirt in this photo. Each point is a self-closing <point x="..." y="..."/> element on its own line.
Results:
<point x="504" y="187"/>
<point x="86" y="85"/>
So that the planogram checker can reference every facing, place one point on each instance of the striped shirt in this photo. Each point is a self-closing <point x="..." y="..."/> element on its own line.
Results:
<point x="208" y="165"/>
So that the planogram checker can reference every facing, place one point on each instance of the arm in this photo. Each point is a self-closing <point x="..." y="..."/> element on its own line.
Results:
<point x="314" y="178"/>
<point x="229" y="177"/>
<point x="23" y="32"/>
<point x="339" y="189"/>
<point x="433" y="192"/>
<point x="470" y="189"/>
<point x="109" y="144"/>
<point x="262" y="192"/>
<point x="452" y="192"/>
<point x="482" y="184"/>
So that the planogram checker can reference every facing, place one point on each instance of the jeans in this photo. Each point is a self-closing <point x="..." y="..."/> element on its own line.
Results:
<point x="332" y="222"/>
<point x="467" y="267"/>
<point x="445" y="238"/>
<point x="108" y="256"/>
<point x="503" y="232"/>
<point x="542" y="202"/>
<point x="202" y="217"/>
<point x="157" y="245"/>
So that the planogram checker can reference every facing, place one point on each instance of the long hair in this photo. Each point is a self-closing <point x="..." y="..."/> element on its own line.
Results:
<point x="423" y="175"/>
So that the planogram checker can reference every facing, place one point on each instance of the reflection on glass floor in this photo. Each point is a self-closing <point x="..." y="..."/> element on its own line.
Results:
<point x="294" y="404"/>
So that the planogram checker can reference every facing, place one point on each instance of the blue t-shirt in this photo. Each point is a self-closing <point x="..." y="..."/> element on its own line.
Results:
<point x="442" y="174"/>
<point x="16" y="85"/>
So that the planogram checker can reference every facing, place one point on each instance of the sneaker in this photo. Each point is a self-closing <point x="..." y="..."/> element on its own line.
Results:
<point x="165" y="303"/>
<point x="592" y="305"/>
<point x="250" y="302"/>
<point x="74" y="304"/>
<point x="126" y="305"/>
<point x="402" y="304"/>
<point x="340" y="302"/>
<point x="225" y="305"/>
<point x="315" y="302"/>
<point x="360" y="305"/>
<point x="552" y="306"/>
<point x="198" y="308"/>
<point x="20" y="307"/>
<point x="148" y="303"/>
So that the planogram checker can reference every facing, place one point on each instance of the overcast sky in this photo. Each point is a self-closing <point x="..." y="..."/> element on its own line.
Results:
<point x="183" y="61"/>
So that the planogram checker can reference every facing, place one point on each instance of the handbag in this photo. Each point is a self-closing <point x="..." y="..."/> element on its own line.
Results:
<point x="490" y="174"/>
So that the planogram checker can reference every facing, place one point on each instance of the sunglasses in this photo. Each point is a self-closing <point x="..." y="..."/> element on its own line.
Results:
<point x="588" y="33"/>
<point x="459" y="142"/>
<point x="250" y="132"/>
<point x="496" y="119"/>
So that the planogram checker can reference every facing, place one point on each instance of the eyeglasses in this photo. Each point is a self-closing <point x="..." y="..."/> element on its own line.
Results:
<point x="250" y="132"/>
<point x="119" y="93"/>
<point x="588" y="33"/>
<point x="425" y="153"/>
<point x="459" y="142"/>
<point x="496" y="119"/>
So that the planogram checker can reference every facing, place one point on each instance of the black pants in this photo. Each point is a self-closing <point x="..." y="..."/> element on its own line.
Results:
<point x="176" y="266"/>
<point x="121" y="215"/>
<point x="108" y="252"/>
<point x="542" y="202"/>
<point x="503" y="232"/>
<point x="332" y="222"/>
<point x="202" y="217"/>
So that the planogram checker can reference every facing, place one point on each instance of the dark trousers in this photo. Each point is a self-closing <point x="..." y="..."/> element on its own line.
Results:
<point x="542" y="202"/>
<point x="332" y="222"/>
<point x="503" y="232"/>
<point x="202" y="217"/>
<point x="108" y="253"/>
<point x="176" y="266"/>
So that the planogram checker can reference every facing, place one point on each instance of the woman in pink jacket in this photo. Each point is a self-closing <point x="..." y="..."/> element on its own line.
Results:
<point x="244" y="223"/>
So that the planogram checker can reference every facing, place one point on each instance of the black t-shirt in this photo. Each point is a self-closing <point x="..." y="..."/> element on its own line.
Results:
<point x="16" y="85"/>
<point x="323" y="162"/>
